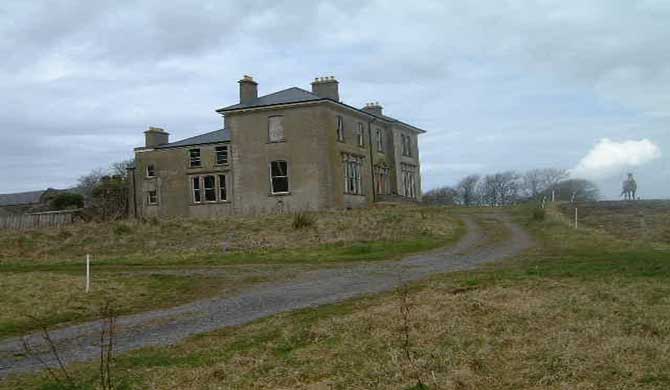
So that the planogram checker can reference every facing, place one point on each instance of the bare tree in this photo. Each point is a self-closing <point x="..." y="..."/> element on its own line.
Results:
<point x="467" y="190"/>
<point x="575" y="190"/>
<point x="499" y="189"/>
<point x="536" y="181"/>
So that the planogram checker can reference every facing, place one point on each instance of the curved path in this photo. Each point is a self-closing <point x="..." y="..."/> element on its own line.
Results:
<point x="168" y="326"/>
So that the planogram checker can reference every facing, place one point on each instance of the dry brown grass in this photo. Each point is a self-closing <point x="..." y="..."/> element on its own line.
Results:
<point x="157" y="240"/>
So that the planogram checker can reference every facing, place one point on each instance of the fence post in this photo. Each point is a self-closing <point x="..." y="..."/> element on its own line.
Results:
<point x="88" y="272"/>
<point x="576" y="219"/>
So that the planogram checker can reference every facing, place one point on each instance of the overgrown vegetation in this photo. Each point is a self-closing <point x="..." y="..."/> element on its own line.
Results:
<point x="143" y="266"/>
<point x="581" y="310"/>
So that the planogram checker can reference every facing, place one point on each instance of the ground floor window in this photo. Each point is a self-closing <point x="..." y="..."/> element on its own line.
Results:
<point x="152" y="197"/>
<point x="209" y="188"/>
<point x="382" y="182"/>
<point x="408" y="180"/>
<point x="279" y="177"/>
<point x="352" y="165"/>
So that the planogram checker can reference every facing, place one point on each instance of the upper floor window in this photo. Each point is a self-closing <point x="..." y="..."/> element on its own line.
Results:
<point x="276" y="129"/>
<point x="279" y="177"/>
<point x="222" y="155"/>
<point x="151" y="170"/>
<point x="194" y="158"/>
<point x="360" y="133"/>
<point x="340" y="128"/>
<point x="380" y="139"/>
<point x="406" y="145"/>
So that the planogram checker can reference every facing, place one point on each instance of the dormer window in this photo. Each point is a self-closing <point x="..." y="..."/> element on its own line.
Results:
<point x="194" y="158"/>
<point x="151" y="170"/>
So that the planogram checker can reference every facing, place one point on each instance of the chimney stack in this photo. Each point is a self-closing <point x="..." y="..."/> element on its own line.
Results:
<point x="156" y="136"/>
<point x="326" y="87"/>
<point x="248" y="89"/>
<point x="373" y="108"/>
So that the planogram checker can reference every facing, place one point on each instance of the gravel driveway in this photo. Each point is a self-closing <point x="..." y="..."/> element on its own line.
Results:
<point x="312" y="288"/>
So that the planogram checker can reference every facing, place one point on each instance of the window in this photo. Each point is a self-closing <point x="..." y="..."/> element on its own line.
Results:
<point x="197" y="196"/>
<point x="382" y="183"/>
<point x="209" y="183"/>
<point x="152" y="197"/>
<point x="276" y="129"/>
<point x="406" y="145"/>
<point x="340" y="128"/>
<point x="408" y="177"/>
<point x="223" y="195"/>
<point x="222" y="155"/>
<point x="151" y="170"/>
<point x="380" y="139"/>
<point x="209" y="188"/>
<point x="352" y="173"/>
<point x="359" y="135"/>
<point x="279" y="177"/>
<point x="194" y="158"/>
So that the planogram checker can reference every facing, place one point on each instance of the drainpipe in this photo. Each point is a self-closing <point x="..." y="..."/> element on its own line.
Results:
<point x="372" y="166"/>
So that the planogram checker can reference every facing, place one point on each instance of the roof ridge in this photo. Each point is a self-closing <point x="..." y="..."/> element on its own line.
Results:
<point x="287" y="89"/>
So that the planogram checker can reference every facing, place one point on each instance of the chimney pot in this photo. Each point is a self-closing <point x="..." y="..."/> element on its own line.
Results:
<point x="326" y="87"/>
<point x="373" y="108"/>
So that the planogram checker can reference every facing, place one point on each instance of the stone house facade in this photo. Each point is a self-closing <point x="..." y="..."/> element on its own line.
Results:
<point x="287" y="151"/>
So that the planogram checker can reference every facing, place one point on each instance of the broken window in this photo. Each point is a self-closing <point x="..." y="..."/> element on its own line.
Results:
<point x="279" y="176"/>
<point x="340" y="128"/>
<point x="351" y="165"/>
<point x="209" y="183"/>
<point x="360" y="133"/>
<point x="406" y="145"/>
<point x="382" y="182"/>
<point x="408" y="180"/>
<point x="276" y="129"/>
<point x="151" y="170"/>
<point x="223" y="195"/>
<point x="194" y="158"/>
<point x="222" y="155"/>
<point x="152" y="197"/>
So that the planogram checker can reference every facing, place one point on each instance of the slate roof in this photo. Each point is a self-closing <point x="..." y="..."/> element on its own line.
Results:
<point x="299" y="95"/>
<point x="289" y="95"/>
<point x="21" y="198"/>
<point x="213" y="137"/>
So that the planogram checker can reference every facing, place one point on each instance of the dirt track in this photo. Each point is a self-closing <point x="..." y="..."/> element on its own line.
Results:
<point x="313" y="288"/>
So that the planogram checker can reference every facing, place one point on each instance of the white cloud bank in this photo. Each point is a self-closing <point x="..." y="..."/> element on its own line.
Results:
<point x="608" y="158"/>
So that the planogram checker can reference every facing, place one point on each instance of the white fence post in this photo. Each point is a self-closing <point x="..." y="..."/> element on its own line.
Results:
<point x="88" y="272"/>
<point x="576" y="219"/>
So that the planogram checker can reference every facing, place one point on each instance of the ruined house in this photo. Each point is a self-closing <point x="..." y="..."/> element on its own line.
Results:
<point x="287" y="151"/>
<point x="26" y="202"/>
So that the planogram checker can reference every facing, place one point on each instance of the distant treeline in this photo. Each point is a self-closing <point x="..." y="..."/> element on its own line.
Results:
<point x="511" y="187"/>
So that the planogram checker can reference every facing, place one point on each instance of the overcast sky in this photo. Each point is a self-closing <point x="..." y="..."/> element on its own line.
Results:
<point x="581" y="85"/>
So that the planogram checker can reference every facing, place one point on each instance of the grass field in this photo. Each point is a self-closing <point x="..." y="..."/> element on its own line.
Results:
<point x="582" y="310"/>
<point x="143" y="266"/>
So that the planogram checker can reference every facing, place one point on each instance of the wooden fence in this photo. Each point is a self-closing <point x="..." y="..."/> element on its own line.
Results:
<point x="40" y="220"/>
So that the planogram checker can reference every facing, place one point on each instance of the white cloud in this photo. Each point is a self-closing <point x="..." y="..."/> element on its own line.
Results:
<point x="608" y="158"/>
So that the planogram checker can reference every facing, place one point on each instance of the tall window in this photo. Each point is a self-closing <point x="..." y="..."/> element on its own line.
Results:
<point x="209" y="188"/>
<point x="223" y="195"/>
<point x="209" y="183"/>
<point x="351" y="165"/>
<point x="408" y="177"/>
<point x="340" y="128"/>
<point x="382" y="183"/>
<point x="194" y="158"/>
<point x="151" y="170"/>
<point x="279" y="176"/>
<point x="380" y="139"/>
<point x="222" y="155"/>
<point x="152" y="197"/>
<point x="276" y="129"/>
<point x="360" y="133"/>
<point x="406" y="145"/>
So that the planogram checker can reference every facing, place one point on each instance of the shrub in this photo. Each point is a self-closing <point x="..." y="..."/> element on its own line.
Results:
<point x="121" y="229"/>
<point x="66" y="200"/>
<point x="303" y="220"/>
<point x="538" y="214"/>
